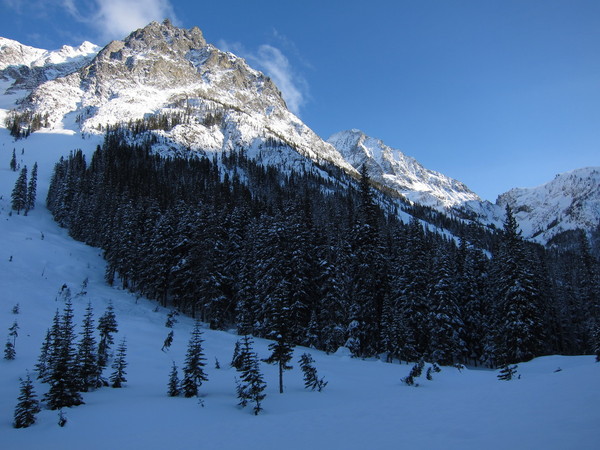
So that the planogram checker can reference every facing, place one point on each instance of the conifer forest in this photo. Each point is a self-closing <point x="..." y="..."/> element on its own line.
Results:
<point x="314" y="257"/>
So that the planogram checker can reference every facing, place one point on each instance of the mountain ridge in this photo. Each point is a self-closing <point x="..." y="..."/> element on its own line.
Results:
<point x="225" y="105"/>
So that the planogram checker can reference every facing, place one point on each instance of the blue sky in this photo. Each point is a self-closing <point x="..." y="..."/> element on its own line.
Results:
<point x="497" y="94"/>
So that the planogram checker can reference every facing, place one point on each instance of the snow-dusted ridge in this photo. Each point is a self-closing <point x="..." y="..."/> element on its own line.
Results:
<point x="394" y="169"/>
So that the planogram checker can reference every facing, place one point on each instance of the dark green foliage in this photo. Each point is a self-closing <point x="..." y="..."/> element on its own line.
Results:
<point x="19" y="193"/>
<point x="87" y="356"/>
<point x="16" y="309"/>
<point x="42" y="366"/>
<point x="168" y="341"/>
<point x="193" y="371"/>
<point x="13" y="161"/>
<point x="62" y="374"/>
<point x="107" y="325"/>
<point x="28" y="405"/>
<point x="507" y="372"/>
<point x="251" y="385"/>
<point x="9" y="351"/>
<point x="171" y="320"/>
<point x="117" y="378"/>
<point x="174" y="385"/>
<point x="319" y="255"/>
<point x="311" y="379"/>
<point x="415" y="372"/>
<point x="31" y="189"/>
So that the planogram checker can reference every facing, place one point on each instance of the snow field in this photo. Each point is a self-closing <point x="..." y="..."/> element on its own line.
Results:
<point x="364" y="406"/>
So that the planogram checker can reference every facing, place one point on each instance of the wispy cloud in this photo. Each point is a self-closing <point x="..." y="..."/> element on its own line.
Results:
<point x="115" y="19"/>
<point x="275" y="64"/>
<point x="112" y="19"/>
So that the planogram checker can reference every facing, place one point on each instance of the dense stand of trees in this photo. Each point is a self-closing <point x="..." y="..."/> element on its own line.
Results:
<point x="299" y="257"/>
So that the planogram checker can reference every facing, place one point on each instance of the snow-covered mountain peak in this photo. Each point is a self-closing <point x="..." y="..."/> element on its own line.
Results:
<point x="571" y="200"/>
<point x="394" y="169"/>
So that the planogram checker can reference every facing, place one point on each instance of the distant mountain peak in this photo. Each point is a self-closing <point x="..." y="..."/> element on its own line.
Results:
<point x="394" y="169"/>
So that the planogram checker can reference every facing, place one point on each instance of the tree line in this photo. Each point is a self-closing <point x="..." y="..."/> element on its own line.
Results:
<point x="311" y="257"/>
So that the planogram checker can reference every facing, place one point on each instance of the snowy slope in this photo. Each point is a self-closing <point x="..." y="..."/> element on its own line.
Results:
<point x="25" y="68"/>
<point x="364" y="405"/>
<point x="394" y="169"/>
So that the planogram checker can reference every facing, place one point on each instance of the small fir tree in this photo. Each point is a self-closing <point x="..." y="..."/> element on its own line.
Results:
<point x="117" y="378"/>
<point x="236" y="359"/>
<point x="28" y="405"/>
<point x="16" y="309"/>
<point x="19" y="193"/>
<point x="193" y="371"/>
<point x="171" y="320"/>
<point x="107" y="325"/>
<point x="168" y="341"/>
<point x="31" y="189"/>
<point x="251" y="386"/>
<point x="507" y="372"/>
<point x="415" y="372"/>
<point x="13" y="161"/>
<point x="174" y="390"/>
<point x="311" y="380"/>
<point x="63" y="379"/>
<point x="9" y="350"/>
<point x="42" y="365"/>
<point x="13" y="332"/>
<point x="87" y="358"/>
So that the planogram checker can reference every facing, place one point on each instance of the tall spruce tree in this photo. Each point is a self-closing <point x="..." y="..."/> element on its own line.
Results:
<point x="64" y="383"/>
<point x="174" y="386"/>
<point x="87" y="356"/>
<point x="107" y="325"/>
<point x="13" y="161"/>
<point x="282" y="348"/>
<point x="251" y="386"/>
<point x="520" y="331"/>
<point x="193" y="371"/>
<point x="117" y="378"/>
<point x="31" y="189"/>
<point x="28" y="405"/>
<point x="19" y="193"/>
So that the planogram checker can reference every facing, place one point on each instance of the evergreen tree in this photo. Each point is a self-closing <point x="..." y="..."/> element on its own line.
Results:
<point x="64" y="385"/>
<point x="87" y="357"/>
<point x="107" y="325"/>
<point x="251" y="385"/>
<point x="31" y="189"/>
<point x="28" y="405"/>
<point x="168" y="341"/>
<point x="13" y="161"/>
<point x="42" y="366"/>
<point x="19" y="193"/>
<point x="174" y="385"/>
<point x="519" y="321"/>
<point x="193" y="371"/>
<point x="282" y="349"/>
<point x="311" y="380"/>
<point x="237" y="358"/>
<point x="117" y="378"/>
<point x="9" y="350"/>
<point x="13" y="332"/>
<point x="507" y="372"/>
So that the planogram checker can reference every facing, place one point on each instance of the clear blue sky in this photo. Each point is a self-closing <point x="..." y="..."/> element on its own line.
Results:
<point x="495" y="93"/>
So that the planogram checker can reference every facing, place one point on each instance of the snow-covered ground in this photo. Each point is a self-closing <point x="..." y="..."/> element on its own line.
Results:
<point x="364" y="406"/>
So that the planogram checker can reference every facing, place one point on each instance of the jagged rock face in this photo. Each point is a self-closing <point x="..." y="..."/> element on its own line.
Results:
<point x="394" y="169"/>
<point x="570" y="201"/>
<point x="156" y="67"/>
